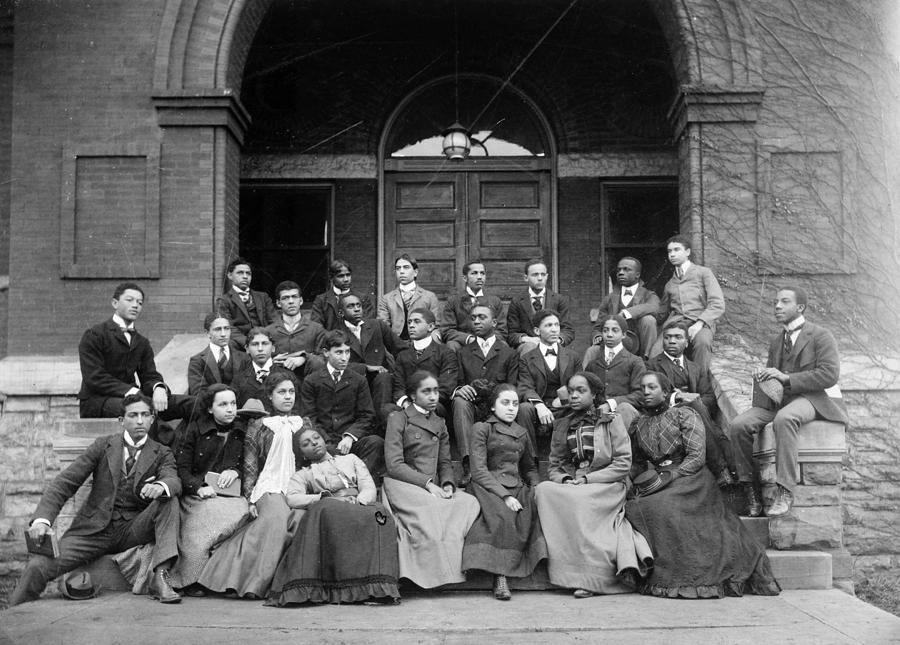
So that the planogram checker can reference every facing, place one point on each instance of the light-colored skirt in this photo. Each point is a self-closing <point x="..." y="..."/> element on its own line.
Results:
<point x="430" y="532"/>
<point x="204" y="523"/>
<point x="589" y="541"/>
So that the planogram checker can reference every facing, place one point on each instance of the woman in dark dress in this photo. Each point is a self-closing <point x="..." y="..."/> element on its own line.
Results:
<point x="245" y="563"/>
<point x="700" y="547"/>
<point x="213" y="442"/>
<point x="345" y="547"/>
<point x="506" y="539"/>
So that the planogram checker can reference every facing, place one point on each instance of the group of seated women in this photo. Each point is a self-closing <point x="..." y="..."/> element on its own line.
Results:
<point x="619" y="513"/>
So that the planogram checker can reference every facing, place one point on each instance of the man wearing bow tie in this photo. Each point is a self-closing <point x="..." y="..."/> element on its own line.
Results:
<point x="803" y="358"/>
<point x="636" y="304"/>
<point x="244" y="307"/>
<point x="456" y="321"/>
<point x="112" y="354"/>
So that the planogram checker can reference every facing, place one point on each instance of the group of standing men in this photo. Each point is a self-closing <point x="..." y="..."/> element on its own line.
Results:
<point x="353" y="361"/>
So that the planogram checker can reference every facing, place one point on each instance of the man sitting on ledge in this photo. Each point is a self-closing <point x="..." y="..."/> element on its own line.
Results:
<point x="132" y="502"/>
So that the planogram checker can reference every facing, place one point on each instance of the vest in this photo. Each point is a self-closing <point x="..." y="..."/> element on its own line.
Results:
<point x="126" y="504"/>
<point x="227" y="372"/>
<point x="553" y="382"/>
<point x="679" y="377"/>
<point x="252" y="313"/>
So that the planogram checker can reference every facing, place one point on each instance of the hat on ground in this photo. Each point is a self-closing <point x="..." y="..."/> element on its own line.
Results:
<point x="79" y="586"/>
<point x="253" y="409"/>
<point x="772" y="388"/>
<point x="650" y="481"/>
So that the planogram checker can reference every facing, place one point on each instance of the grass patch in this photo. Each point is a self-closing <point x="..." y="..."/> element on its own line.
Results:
<point x="881" y="590"/>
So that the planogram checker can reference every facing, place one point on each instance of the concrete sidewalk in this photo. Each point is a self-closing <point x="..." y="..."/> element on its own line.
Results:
<point x="544" y="617"/>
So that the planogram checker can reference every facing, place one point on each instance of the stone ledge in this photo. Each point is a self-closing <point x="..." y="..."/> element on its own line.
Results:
<point x="801" y="569"/>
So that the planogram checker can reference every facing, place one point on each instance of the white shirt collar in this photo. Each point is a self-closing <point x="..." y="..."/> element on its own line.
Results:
<point x="353" y="327"/>
<point x="407" y="287"/>
<point x="236" y="290"/>
<point x="421" y="409"/>
<point x="216" y="351"/>
<point x="130" y="442"/>
<point x="267" y="366"/>
<point x="422" y="343"/>
<point x="545" y="347"/>
<point x="333" y="370"/>
<point x="679" y="360"/>
<point x="687" y="264"/>
<point x="476" y="295"/>
<point x="542" y="294"/>
<point x="288" y="323"/>
<point x="796" y="322"/>
<point x="121" y="322"/>
<point x="614" y="350"/>
<point x="631" y="288"/>
<point x="487" y="343"/>
<point x="337" y="291"/>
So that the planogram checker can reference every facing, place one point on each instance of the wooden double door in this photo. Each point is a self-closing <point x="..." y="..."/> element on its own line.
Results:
<point x="445" y="219"/>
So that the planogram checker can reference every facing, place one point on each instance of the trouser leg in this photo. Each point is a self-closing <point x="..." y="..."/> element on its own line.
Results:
<point x="785" y="425"/>
<point x="646" y="332"/>
<point x="741" y="432"/>
<point x="527" y="418"/>
<point x="701" y="348"/>
<point x="718" y="452"/>
<point x="371" y="450"/>
<point x="158" y="524"/>
<point x="463" y="420"/>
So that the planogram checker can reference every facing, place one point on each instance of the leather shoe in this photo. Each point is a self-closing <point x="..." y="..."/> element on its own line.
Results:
<point x="501" y="589"/>
<point x="754" y="505"/>
<point x="783" y="503"/>
<point x="161" y="590"/>
<point x="583" y="593"/>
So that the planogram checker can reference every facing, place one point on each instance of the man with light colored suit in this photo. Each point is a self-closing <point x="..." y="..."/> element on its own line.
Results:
<point x="803" y="361"/>
<point x="395" y="306"/>
<point x="538" y="298"/>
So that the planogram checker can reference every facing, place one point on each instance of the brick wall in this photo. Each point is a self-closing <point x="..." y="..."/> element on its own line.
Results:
<point x="356" y="230"/>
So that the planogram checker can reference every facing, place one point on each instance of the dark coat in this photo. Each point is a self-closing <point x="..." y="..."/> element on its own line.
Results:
<point x="338" y="408"/>
<point x="699" y="380"/>
<point x="501" y="457"/>
<point x="377" y="344"/>
<point x="306" y="338"/>
<point x="814" y="367"/>
<point x="417" y="449"/>
<point x="622" y="377"/>
<point x="199" y="452"/>
<point x="203" y="370"/>
<point x="230" y="305"/>
<point x="518" y="317"/>
<point x="534" y="375"/>
<point x="327" y="312"/>
<point x="438" y="359"/>
<point x="455" y="322"/>
<point x="501" y="365"/>
<point x="109" y="364"/>
<point x="104" y="460"/>
<point x="643" y="303"/>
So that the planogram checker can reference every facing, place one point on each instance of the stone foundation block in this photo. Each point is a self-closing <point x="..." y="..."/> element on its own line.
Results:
<point x="817" y="496"/>
<point x="33" y="404"/>
<point x="813" y="474"/>
<point x="815" y="527"/>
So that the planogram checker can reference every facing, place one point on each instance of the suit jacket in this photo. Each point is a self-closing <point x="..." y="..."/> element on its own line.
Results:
<point x="417" y="449"/>
<point x="455" y="323"/>
<point x="338" y="408"/>
<point x="622" y="377"/>
<point x="230" y="305"/>
<point x="643" y="303"/>
<point x="438" y="359"/>
<point x="390" y="307"/>
<point x="814" y="367"/>
<point x="104" y="460"/>
<point x="306" y="338"/>
<point x="502" y="457"/>
<point x="694" y="296"/>
<point x="699" y="380"/>
<point x="377" y="344"/>
<point x="501" y="365"/>
<point x="327" y="311"/>
<point x="203" y="370"/>
<point x="534" y="375"/>
<point x="612" y="452"/>
<point x="199" y="452"/>
<point x="109" y="364"/>
<point x="518" y="317"/>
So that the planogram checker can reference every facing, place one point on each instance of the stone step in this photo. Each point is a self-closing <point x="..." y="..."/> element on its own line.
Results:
<point x="801" y="569"/>
<point x="88" y="428"/>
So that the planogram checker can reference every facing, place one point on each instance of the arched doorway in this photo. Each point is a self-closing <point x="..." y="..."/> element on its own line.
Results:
<point x="498" y="204"/>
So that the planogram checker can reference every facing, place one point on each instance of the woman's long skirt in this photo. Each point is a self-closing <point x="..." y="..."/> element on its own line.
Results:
<point x="502" y="541"/>
<point x="430" y="532"/>
<point x="246" y="562"/>
<point x="341" y="553"/>
<point x="701" y="548"/>
<point x="590" y="543"/>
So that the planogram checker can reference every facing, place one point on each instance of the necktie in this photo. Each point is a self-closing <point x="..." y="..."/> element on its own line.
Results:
<point x="626" y="292"/>
<point x="787" y="344"/>
<point x="536" y="303"/>
<point x="679" y="272"/>
<point x="132" y="457"/>
<point x="128" y="331"/>
<point x="261" y="375"/>
<point x="609" y="356"/>
<point x="474" y="300"/>
<point x="336" y="375"/>
<point x="419" y="353"/>
<point x="550" y="352"/>
<point x="244" y="296"/>
<point x="223" y="360"/>
<point x="678" y="365"/>
<point x="484" y="347"/>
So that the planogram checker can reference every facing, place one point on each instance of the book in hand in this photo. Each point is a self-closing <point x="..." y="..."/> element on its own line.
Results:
<point x="234" y="490"/>
<point x="48" y="544"/>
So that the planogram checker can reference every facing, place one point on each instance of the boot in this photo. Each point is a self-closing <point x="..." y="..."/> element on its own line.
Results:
<point x="501" y="589"/>
<point x="466" y="478"/>
<point x="754" y="505"/>
<point x="784" y="500"/>
<point x="161" y="590"/>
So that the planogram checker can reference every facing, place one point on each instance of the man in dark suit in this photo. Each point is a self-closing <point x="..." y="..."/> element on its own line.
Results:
<point x="337" y="399"/>
<point x="693" y="388"/>
<point x="372" y="347"/>
<point x="112" y="354"/>
<point x="636" y="304"/>
<point x="488" y="360"/>
<point x="456" y="319"/>
<point x="803" y="359"/>
<point x="542" y="372"/>
<point x="296" y="338"/>
<point x="249" y="381"/>
<point x="538" y="298"/>
<point x="218" y="362"/>
<point x="424" y="354"/>
<point x="132" y="501"/>
<point x="244" y="307"/>
<point x="326" y="308"/>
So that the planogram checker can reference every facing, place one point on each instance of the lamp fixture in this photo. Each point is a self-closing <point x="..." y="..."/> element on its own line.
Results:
<point x="457" y="143"/>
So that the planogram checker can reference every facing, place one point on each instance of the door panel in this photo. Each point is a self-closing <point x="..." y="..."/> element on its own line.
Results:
<point x="444" y="219"/>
